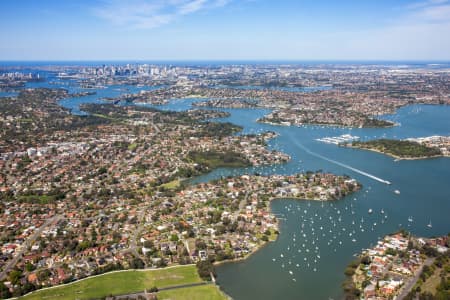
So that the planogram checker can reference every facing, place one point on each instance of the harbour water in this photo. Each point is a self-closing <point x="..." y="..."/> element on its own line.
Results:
<point x="424" y="194"/>
<point x="317" y="239"/>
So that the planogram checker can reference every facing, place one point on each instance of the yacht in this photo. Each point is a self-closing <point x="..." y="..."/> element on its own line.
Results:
<point x="397" y="192"/>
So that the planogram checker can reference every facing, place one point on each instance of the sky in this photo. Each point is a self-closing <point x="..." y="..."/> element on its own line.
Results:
<point x="225" y="30"/>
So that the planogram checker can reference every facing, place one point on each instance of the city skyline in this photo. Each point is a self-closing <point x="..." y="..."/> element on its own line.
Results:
<point x="224" y="30"/>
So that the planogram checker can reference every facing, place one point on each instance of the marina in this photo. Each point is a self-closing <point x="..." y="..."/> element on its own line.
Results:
<point x="318" y="238"/>
<point x="345" y="138"/>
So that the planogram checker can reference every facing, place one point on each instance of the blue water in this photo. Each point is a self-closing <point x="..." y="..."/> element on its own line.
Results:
<point x="423" y="184"/>
<point x="8" y="94"/>
<point x="425" y="195"/>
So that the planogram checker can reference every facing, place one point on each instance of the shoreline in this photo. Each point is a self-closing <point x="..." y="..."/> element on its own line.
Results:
<point x="261" y="246"/>
<point x="323" y="124"/>
<point x="397" y="158"/>
<point x="235" y="260"/>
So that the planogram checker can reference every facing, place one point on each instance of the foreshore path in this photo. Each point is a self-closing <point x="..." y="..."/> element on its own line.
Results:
<point x="145" y="293"/>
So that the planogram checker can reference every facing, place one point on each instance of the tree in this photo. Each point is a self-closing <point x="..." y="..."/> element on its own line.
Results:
<point x="349" y="271"/>
<point x="14" y="276"/>
<point x="365" y="260"/>
<point x="200" y="245"/>
<point x="148" y="244"/>
<point x="136" y="263"/>
<point x="29" y="267"/>
<point x="174" y="238"/>
<point x="4" y="291"/>
<point x="204" y="269"/>
<point x="43" y="275"/>
<point x="391" y="251"/>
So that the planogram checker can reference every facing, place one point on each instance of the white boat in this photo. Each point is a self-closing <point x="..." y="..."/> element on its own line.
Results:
<point x="370" y="211"/>
<point x="410" y="219"/>
<point x="429" y="225"/>
<point x="397" y="192"/>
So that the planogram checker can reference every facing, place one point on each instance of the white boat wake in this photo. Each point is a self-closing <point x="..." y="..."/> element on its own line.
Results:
<point x="341" y="164"/>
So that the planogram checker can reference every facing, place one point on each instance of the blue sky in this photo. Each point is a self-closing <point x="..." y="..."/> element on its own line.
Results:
<point x="224" y="30"/>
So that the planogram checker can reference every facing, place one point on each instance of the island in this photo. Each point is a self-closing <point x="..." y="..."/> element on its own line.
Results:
<point x="84" y="195"/>
<point x="111" y="198"/>
<point x="323" y="116"/>
<point x="325" y="107"/>
<point x="401" y="266"/>
<point x="413" y="148"/>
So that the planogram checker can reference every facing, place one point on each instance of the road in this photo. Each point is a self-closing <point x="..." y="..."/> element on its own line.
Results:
<point x="133" y="248"/>
<point x="242" y="205"/>
<point x="27" y="244"/>
<point x="409" y="285"/>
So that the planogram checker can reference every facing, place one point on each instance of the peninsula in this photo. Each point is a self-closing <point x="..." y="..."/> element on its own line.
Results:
<point x="417" y="148"/>
<point x="85" y="195"/>
<point x="401" y="266"/>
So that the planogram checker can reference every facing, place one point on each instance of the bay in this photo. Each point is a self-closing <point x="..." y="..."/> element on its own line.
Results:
<point x="321" y="231"/>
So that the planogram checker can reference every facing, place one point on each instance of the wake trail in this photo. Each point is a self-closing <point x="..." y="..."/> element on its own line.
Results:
<point x="340" y="164"/>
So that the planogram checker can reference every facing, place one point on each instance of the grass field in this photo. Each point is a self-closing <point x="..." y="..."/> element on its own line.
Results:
<point x="172" y="185"/>
<point x="432" y="282"/>
<point x="119" y="283"/>
<point x="204" y="292"/>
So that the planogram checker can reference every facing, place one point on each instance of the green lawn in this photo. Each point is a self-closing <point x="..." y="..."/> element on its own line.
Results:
<point x="432" y="282"/>
<point x="103" y="116"/>
<point x="216" y="159"/>
<point x="132" y="147"/>
<point x="119" y="283"/>
<point x="273" y="236"/>
<point x="203" y="292"/>
<point x="172" y="184"/>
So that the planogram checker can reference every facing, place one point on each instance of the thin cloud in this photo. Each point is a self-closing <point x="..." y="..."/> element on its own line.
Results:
<point x="430" y="11"/>
<point x="420" y="33"/>
<point x="426" y="3"/>
<point x="147" y="14"/>
<point x="436" y="13"/>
